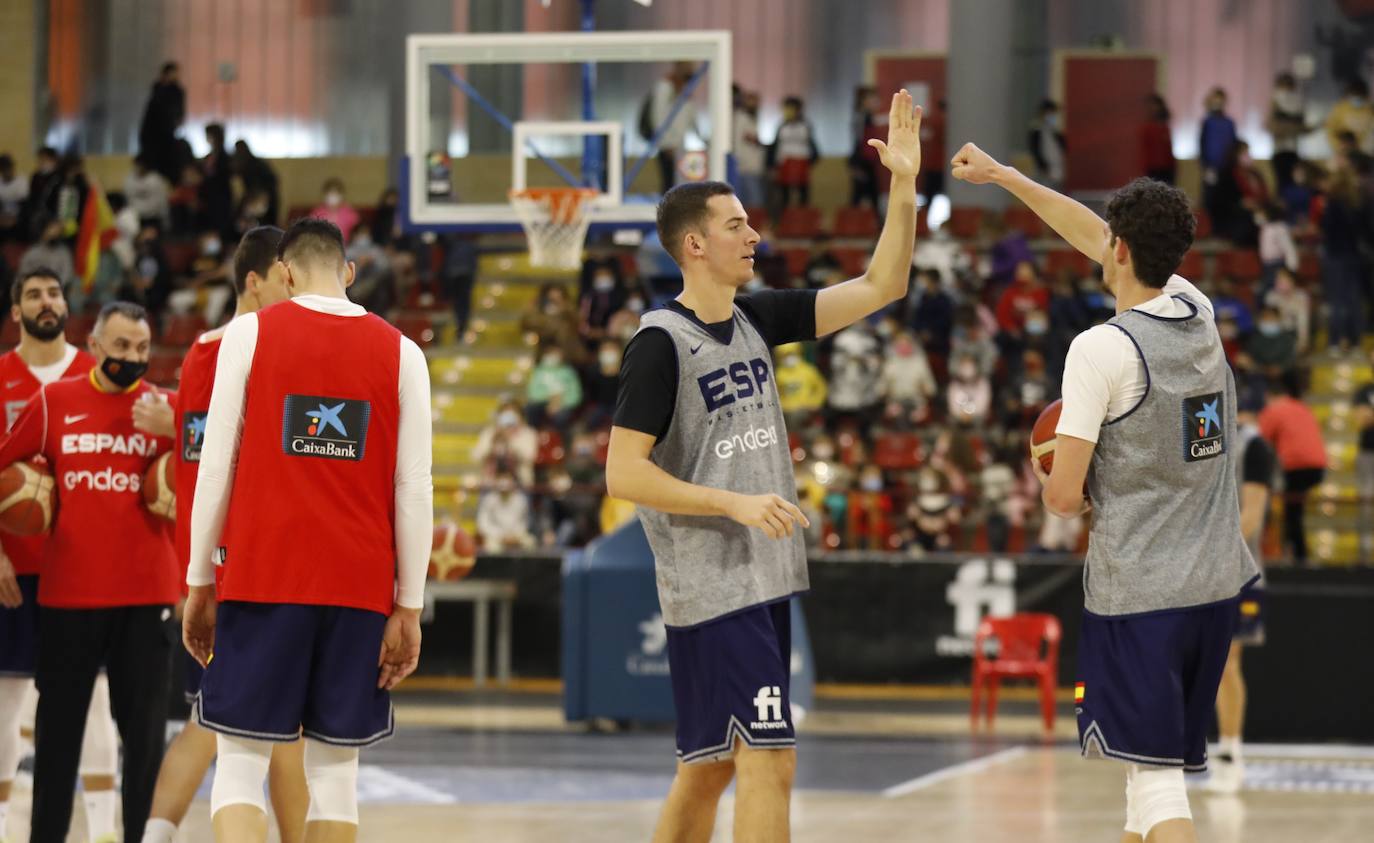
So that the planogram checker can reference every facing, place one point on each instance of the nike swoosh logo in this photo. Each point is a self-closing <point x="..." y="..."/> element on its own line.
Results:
<point x="698" y="348"/>
<point x="12" y="384"/>
<point x="74" y="419"/>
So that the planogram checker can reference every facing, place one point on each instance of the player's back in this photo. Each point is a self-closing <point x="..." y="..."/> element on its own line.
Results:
<point x="193" y="406"/>
<point x="1166" y="526"/>
<point x="312" y="512"/>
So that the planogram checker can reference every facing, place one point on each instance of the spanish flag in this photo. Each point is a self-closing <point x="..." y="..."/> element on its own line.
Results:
<point x="95" y="235"/>
<point x="1078" y="692"/>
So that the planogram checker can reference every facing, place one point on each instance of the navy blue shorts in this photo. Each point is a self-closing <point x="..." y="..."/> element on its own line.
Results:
<point x="193" y="674"/>
<point x="730" y="680"/>
<point x="1250" y="616"/>
<point x="279" y="670"/>
<point x="19" y="631"/>
<point x="1147" y="684"/>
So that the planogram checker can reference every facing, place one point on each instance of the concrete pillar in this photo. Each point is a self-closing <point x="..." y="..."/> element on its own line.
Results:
<point x="981" y="93"/>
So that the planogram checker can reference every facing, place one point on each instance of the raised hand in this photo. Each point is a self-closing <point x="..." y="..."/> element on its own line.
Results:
<point x="901" y="155"/>
<point x="973" y="165"/>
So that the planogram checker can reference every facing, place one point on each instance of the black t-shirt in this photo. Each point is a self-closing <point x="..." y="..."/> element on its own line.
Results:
<point x="648" y="375"/>
<point x="1257" y="464"/>
<point x="1366" y="397"/>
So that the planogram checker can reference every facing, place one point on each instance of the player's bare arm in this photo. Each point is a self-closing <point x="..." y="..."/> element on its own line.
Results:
<point x="632" y="476"/>
<point x="886" y="279"/>
<point x="1063" y="492"/>
<point x="198" y="623"/>
<point x="10" y="595"/>
<point x="1070" y="219"/>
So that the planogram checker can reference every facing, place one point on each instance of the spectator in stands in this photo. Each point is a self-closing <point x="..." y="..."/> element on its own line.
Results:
<point x="601" y="381"/>
<point x="567" y="516"/>
<point x="972" y="339"/>
<point x="1289" y="425"/>
<point x="750" y="153"/>
<point x="252" y="212"/>
<point x="374" y="282"/>
<point x="503" y="516"/>
<point x="40" y="205"/>
<point x="933" y="127"/>
<point x="1028" y="392"/>
<point x="1237" y="195"/>
<point x="68" y="201"/>
<point x="969" y="392"/>
<point x="459" y="273"/>
<point x="855" y="364"/>
<point x="162" y="117"/>
<point x="386" y="223"/>
<point x="150" y="281"/>
<point x="625" y="321"/>
<point x="659" y="105"/>
<point x="1232" y="339"/>
<point x="1293" y="305"/>
<point x="863" y="176"/>
<point x="1364" y="466"/>
<point x="217" y="187"/>
<point x="945" y="255"/>
<point x="1047" y="145"/>
<point x="1273" y="348"/>
<point x="50" y="251"/>
<point x="933" y="316"/>
<point x="1343" y="227"/>
<point x="1009" y="250"/>
<point x="823" y="269"/>
<point x="507" y="442"/>
<point x="1214" y="146"/>
<point x="1025" y="294"/>
<point x="1099" y="303"/>
<point x="335" y="208"/>
<point x="554" y="392"/>
<point x="1225" y="303"/>
<point x="208" y="290"/>
<point x="1276" y="247"/>
<point x="1059" y="535"/>
<point x="14" y="189"/>
<point x="792" y="153"/>
<point x="1287" y="124"/>
<point x="1298" y="194"/>
<point x="1354" y="114"/>
<point x="996" y="483"/>
<point x="555" y="322"/>
<point x="184" y="202"/>
<point x="907" y="383"/>
<point x="259" y="179"/>
<point x="602" y="295"/>
<point x="1068" y="317"/>
<point x="931" y="516"/>
<point x="801" y="386"/>
<point x="1157" y="142"/>
<point x="147" y="192"/>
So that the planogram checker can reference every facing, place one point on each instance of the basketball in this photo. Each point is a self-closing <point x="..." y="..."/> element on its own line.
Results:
<point x="1042" y="437"/>
<point x="28" y="498"/>
<point x="160" y="488"/>
<point x="453" y="552"/>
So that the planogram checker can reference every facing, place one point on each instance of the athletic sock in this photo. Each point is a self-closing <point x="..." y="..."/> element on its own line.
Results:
<point x="1229" y="748"/>
<point x="159" y="830"/>
<point x="100" y="814"/>
<point x="4" y="816"/>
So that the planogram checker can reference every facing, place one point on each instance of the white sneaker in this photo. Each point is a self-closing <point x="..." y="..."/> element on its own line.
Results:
<point x="1228" y="775"/>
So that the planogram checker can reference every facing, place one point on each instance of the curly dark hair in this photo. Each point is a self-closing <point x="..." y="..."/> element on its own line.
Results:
<point x="1157" y="224"/>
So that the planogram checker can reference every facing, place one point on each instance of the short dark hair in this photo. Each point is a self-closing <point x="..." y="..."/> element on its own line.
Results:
<point x="684" y="207"/>
<point x="6" y="161"/>
<point x="256" y="252"/>
<point x="312" y="240"/>
<point x="1356" y="86"/>
<point x="127" y="309"/>
<point x="47" y="152"/>
<point x="17" y="288"/>
<point x="795" y="102"/>
<point x="1157" y="224"/>
<point x="169" y="67"/>
<point x="215" y="130"/>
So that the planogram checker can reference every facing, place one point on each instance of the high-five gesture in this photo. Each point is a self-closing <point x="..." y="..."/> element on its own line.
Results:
<point x="902" y="153"/>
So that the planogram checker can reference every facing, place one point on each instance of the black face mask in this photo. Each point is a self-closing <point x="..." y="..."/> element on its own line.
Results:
<point x="123" y="373"/>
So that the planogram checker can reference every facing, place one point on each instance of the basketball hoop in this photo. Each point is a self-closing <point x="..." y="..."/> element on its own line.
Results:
<point x="555" y="222"/>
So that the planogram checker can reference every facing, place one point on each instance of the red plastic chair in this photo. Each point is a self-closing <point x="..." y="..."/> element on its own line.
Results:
<point x="796" y="260"/>
<point x="551" y="450"/>
<point x="897" y="451"/>
<point x="799" y="222"/>
<point x="964" y="222"/>
<point x="1204" y="225"/>
<point x="851" y="260"/>
<point x="1028" y="648"/>
<point x="856" y="222"/>
<point x="182" y="330"/>
<point x="418" y="328"/>
<point x="1241" y="264"/>
<point x="1071" y="259"/>
<point x="1192" y="267"/>
<point x="1309" y="266"/>
<point x="1019" y="217"/>
<point x="758" y="217"/>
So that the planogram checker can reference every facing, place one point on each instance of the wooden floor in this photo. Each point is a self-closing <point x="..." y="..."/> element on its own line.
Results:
<point x="522" y="776"/>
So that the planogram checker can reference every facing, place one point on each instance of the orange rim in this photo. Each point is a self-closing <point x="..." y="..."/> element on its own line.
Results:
<point x="563" y="202"/>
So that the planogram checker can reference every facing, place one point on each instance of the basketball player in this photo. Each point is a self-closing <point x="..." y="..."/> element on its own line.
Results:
<point x="258" y="282"/>
<point x="109" y="576"/>
<point x="315" y="500"/>
<point x="1148" y="421"/>
<point x="1256" y="479"/>
<point x="43" y="357"/>
<point x="700" y="445"/>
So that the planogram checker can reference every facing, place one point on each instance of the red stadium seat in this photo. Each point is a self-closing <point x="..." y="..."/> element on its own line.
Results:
<point x="12" y="253"/>
<point x="851" y="260"/>
<point x="180" y="255"/>
<point x="79" y="327"/>
<point x="164" y="368"/>
<point x="603" y="446"/>
<point x="1309" y="266"/>
<point x="1204" y="225"/>
<point x="897" y="451"/>
<point x="1071" y="259"/>
<point x="418" y="328"/>
<point x="964" y="223"/>
<point x="856" y="222"/>
<point x="551" y="451"/>
<point x="1240" y="264"/>
<point x="1023" y="219"/>
<point x="9" y="333"/>
<point x="298" y="212"/>
<point x="758" y="217"/>
<point x="796" y="259"/>
<point x="1028" y="648"/>
<point x="181" y="331"/>
<point x="799" y="222"/>
<point x="1192" y="266"/>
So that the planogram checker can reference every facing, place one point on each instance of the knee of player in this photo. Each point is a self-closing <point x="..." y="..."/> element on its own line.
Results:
<point x="1158" y="796"/>
<point x="776" y="765"/>
<point x="332" y="775"/>
<point x="707" y="779"/>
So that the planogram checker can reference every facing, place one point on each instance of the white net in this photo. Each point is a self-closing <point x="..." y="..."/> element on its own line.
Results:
<point x="555" y="222"/>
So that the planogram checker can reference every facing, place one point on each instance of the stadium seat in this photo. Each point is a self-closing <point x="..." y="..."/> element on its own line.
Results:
<point x="550" y="451"/>
<point x="1204" y="225"/>
<point x="1192" y="267"/>
<point x="851" y="260"/>
<point x="856" y="222"/>
<point x="1023" y="219"/>
<point x="418" y="328"/>
<point x="179" y="255"/>
<point x="796" y="259"/>
<point x="1073" y="260"/>
<point x="799" y="222"/>
<point x="164" y="367"/>
<point x="12" y="253"/>
<point x="79" y="327"/>
<point x="1240" y="264"/>
<point x="1309" y="266"/>
<point x="603" y="446"/>
<point x="9" y="333"/>
<point x="1028" y="648"/>
<point x="758" y="218"/>
<point x="897" y="451"/>
<point x="965" y="222"/>
<point x="182" y="330"/>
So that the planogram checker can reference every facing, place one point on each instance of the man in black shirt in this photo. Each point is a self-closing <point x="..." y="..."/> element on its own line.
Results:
<point x="1364" y="468"/>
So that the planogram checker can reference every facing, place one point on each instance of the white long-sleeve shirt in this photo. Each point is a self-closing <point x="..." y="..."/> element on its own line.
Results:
<point x="224" y="429"/>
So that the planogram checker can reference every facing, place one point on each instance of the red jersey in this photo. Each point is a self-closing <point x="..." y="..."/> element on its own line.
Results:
<point x="106" y="548"/>
<point x="17" y="386"/>
<point x="193" y="404"/>
<point x="312" y="513"/>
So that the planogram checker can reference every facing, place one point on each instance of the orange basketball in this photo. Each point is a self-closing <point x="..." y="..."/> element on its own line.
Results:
<point x="453" y="552"/>
<point x="160" y="487"/>
<point x="28" y="498"/>
<point x="1042" y="439"/>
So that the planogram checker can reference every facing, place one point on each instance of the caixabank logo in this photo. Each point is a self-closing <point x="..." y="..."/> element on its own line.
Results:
<point x="192" y="436"/>
<point x="1204" y="435"/>
<point x="319" y="426"/>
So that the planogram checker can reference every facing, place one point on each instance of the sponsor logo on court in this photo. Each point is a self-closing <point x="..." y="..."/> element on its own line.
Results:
<point x="319" y="426"/>
<point x="750" y="440"/>
<point x="981" y="587"/>
<point x="652" y="658"/>
<point x="1204" y="433"/>
<point x="192" y="436"/>
<point x="768" y="705"/>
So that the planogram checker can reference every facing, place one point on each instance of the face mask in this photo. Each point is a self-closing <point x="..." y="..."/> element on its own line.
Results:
<point x="123" y="373"/>
<point x="333" y="198"/>
<point x="823" y="452"/>
<point x="508" y="418"/>
<point x="885" y="330"/>
<point x="1270" y="329"/>
<point x="551" y="361"/>
<point x="1051" y="120"/>
<point x="211" y="247"/>
<point x="635" y="305"/>
<point x="609" y="359"/>
<point x="872" y="484"/>
<point x="1036" y="327"/>
<point x="791" y="360"/>
<point x="968" y="373"/>
<point x="604" y="283"/>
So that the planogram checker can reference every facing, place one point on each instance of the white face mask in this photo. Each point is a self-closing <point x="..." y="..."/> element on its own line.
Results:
<point x="508" y="418"/>
<point x="603" y="283"/>
<point x="609" y="359"/>
<point x="333" y="198"/>
<point x="635" y="305"/>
